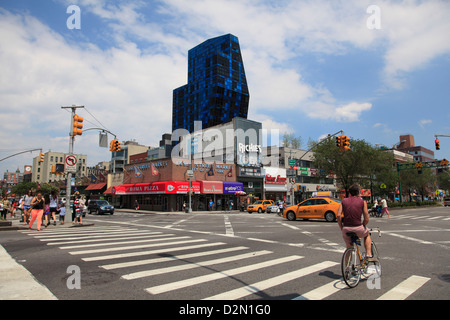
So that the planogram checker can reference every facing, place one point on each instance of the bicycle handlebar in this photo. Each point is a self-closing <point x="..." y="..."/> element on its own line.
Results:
<point x="376" y="229"/>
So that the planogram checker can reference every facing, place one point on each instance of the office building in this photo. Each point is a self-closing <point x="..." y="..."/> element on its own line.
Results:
<point x="217" y="90"/>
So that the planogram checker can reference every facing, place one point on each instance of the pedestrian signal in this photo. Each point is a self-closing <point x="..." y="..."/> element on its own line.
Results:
<point x="77" y="125"/>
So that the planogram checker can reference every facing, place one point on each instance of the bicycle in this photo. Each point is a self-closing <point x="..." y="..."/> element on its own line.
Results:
<point x="354" y="263"/>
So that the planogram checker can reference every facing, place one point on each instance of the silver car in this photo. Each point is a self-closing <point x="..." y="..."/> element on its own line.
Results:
<point x="274" y="208"/>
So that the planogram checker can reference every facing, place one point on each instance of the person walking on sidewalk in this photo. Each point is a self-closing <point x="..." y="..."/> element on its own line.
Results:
<point x="37" y="209"/>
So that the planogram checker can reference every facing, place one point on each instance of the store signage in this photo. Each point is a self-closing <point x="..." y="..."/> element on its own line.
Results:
<point x="243" y="148"/>
<point x="232" y="187"/>
<point x="274" y="180"/>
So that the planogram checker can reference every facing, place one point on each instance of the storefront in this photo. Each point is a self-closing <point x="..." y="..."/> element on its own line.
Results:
<point x="275" y="187"/>
<point x="147" y="186"/>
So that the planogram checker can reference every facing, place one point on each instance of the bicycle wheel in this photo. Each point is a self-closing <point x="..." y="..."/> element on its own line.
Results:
<point x="351" y="267"/>
<point x="377" y="262"/>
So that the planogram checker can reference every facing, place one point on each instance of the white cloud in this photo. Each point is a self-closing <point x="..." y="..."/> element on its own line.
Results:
<point x="424" y="122"/>
<point x="128" y="91"/>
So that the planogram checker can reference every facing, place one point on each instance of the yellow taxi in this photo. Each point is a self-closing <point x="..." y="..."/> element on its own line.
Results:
<point x="259" y="206"/>
<point x="314" y="208"/>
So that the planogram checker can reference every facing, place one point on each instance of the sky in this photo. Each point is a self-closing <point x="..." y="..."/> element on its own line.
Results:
<point x="374" y="69"/>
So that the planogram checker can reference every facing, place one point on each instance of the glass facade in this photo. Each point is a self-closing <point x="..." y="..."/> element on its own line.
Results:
<point x="217" y="90"/>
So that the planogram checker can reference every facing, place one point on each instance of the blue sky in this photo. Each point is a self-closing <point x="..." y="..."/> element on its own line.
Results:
<point x="313" y="68"/>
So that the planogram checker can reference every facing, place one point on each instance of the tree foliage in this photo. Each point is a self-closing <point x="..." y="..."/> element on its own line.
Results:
<point x="363" y="164"/>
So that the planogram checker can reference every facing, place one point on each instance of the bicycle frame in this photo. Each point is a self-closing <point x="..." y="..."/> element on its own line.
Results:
<point x="351" y="270"/>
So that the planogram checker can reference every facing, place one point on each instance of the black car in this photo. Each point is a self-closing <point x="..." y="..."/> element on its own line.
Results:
<point x="100" y="207"/>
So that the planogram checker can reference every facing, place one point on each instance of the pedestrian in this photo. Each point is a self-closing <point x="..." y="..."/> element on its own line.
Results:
<point x="13" y="209"/>
<point x="5" y="206"/>
<point x="62" y="212"/>
<point x="136" y="205"/>
<point x="211" y="203"/>
<point x="77" y="205"/>
<point x="53" y="205"/>
<point x="384" y="207"/>
<point x="37" y="210"/>
<point x="45" y="216"/>
<point x="184" y="206"/>
<point x="27" y="206"/>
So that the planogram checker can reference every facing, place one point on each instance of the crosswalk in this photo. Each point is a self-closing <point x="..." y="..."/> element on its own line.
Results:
<point x="419" y="217"/>
<point x="166" y="263"/>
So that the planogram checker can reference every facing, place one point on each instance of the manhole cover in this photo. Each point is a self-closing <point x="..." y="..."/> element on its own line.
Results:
<point x="445" y="277"/>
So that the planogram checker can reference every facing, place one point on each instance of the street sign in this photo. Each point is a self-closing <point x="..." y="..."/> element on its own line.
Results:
<point x="71" y="163"/>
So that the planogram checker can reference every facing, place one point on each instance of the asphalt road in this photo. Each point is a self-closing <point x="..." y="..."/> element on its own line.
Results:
<point x="233" y="256"/>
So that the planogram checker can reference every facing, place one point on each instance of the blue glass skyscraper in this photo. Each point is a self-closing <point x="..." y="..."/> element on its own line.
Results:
<point x="217" y="90"/>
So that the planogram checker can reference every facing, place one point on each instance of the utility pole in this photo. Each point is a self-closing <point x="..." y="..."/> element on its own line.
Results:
<point x="71" y="140"/>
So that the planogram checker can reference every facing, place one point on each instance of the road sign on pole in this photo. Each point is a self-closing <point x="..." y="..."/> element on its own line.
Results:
<point x="71" y="163"/>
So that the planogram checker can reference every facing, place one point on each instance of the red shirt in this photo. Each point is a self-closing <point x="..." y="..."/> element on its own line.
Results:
<point x="353" y="210"/>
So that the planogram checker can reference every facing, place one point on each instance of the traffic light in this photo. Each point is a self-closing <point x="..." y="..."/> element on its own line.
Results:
<point x="346" y="143"/>
<point x="114" y="145"/>
<point x="436" y="142"/>
<point x="58" y="168"/>
<point x="41" y="157"/>
<point x="77" y="125"/>
<point x="339" y="141"/>
<point x="117" y="146"/>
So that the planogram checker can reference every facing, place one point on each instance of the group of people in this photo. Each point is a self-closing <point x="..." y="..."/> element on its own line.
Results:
<point x="42" y="208"/>
<point x="380" y="207"/>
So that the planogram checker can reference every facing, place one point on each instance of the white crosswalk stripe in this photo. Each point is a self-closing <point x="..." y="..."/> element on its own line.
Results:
<point x="136" y="253"/>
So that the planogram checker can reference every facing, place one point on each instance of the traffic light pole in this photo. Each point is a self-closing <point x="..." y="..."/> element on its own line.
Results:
<point x="69" y="174"/>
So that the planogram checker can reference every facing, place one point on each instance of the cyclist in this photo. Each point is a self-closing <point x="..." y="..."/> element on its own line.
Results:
<point x="349" y="216"/>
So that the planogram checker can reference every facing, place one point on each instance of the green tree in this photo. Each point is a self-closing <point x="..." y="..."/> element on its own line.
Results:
<point x="363" y="164"/>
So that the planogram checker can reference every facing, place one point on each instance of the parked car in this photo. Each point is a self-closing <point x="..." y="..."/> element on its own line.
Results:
<point x="100" y="207"/>
<point x="259" y="206"/>
<point x="314" y="208"/>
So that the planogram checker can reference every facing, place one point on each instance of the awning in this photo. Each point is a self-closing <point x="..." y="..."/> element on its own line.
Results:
<point x="165" y="187"/>
<point x="95" y="186"/>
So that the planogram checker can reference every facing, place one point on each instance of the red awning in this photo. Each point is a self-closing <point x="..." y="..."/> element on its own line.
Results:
<point x="95" y="186"/>
<point x="165" y="187"/>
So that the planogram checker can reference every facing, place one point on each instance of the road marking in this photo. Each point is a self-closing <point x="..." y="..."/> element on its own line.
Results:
<point x="323" y="291"/>
<point x="144" y="253"/>
<point x="405" y="288"/>
<point x="228" y="227"/>
<point x="269" y="283"/>
<point x="170" y="258"/>
<point x="217" y="275"/>
<point x="139" y="246"/>
<point x="110" y="237"/>
<point x="433" y="218"/>
<point x="110" y="243"/>
<point x="289" y="226"/>
<point x="153" y="272"/>
<point x="407" y="238"/>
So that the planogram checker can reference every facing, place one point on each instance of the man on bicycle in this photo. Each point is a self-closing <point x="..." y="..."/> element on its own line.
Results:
<point x="349" y="216"/>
